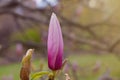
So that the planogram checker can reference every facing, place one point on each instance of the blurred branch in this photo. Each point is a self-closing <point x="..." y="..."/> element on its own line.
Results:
<point x="91" y="42"/>
<point x="8" y="3"/>
<point x="71" y="23"/>
<point x="112" y="47"/>
<point x="31" y="44"/>
<point x="22" y="16"/>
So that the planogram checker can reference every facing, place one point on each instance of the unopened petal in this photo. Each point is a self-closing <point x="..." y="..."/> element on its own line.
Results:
<point x="55" y="44"/>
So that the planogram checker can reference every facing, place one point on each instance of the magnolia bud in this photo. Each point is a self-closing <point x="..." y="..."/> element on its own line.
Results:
<point x="26" y="65"/>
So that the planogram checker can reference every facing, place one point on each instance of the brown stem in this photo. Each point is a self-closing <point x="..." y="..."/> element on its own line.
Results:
<point x="52" y="76"/>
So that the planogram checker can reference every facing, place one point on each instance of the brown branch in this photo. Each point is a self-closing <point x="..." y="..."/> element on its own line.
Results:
<point x="22" y="16"/>
<point x="71" y="23"/>
<point x="112" y="47"/>
<point x="7" y="3"/>
<point x="30" y="44"/>
<point x="91" y="42"/>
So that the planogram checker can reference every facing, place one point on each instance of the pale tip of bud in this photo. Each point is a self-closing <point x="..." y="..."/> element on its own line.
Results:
<point x="53" y="13"/>
<point x="29" y="52"/>
<point x="67" y="76"/>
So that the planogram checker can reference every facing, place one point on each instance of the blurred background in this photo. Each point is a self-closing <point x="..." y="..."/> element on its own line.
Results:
<point x="91" y="32"/>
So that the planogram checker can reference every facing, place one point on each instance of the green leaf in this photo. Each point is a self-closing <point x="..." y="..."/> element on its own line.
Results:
<point x="39" y="74"/>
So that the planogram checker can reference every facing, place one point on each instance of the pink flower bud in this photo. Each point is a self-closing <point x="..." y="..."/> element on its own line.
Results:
<point x="55" y="44"/>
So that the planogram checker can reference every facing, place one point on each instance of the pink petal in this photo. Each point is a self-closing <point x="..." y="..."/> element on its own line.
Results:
<point x="55" y="44"/>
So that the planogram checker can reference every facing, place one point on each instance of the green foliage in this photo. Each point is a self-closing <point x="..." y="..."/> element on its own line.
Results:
<point x="33" y="35"/>
<point x="10" y="70"/>
<point x="30" y="34"/>
<point x="39" y="75"/>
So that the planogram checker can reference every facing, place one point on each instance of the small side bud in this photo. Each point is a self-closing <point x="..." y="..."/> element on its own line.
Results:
<point x="64" y="63"/>
<point x="26" y="65"/>
<point x="67" y="77"/>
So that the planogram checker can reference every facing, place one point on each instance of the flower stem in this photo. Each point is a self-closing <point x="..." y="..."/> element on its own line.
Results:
<point x="51" y="78"/>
